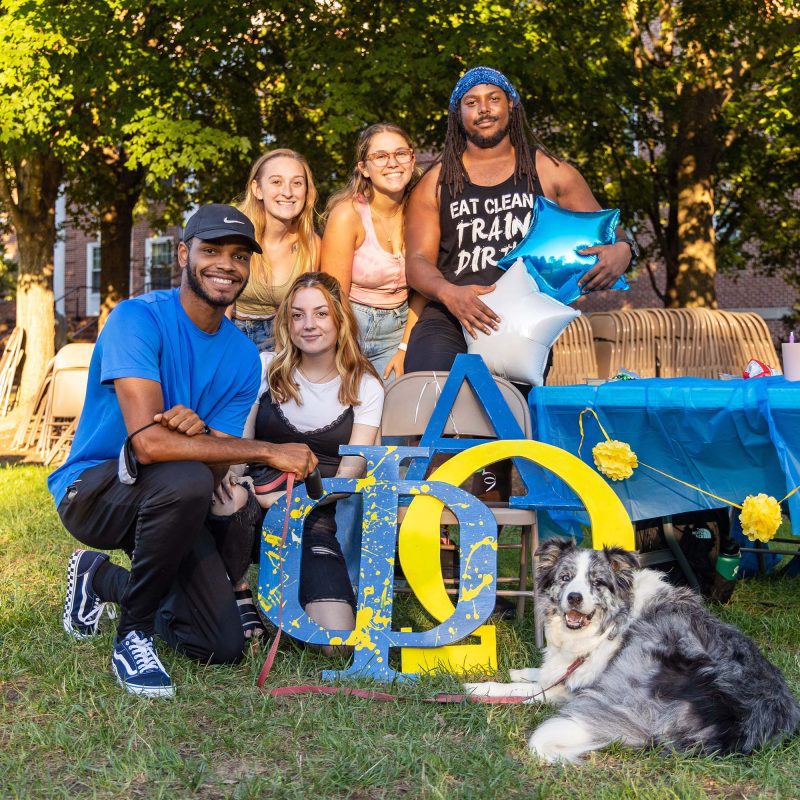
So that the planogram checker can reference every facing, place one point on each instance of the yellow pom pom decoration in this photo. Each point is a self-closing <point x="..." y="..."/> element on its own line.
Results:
<point x="615" y="459"/>
<point x="760" y="517"/>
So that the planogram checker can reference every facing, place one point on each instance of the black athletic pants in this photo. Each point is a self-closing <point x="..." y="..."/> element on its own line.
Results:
<point x="177" y="586"/>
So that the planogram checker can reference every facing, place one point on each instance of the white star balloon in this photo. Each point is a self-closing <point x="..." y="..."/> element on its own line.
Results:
<point x="530" y="323"/>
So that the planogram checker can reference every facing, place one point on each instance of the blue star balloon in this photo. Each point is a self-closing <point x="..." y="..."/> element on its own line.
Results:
<point x="550" y="247"/>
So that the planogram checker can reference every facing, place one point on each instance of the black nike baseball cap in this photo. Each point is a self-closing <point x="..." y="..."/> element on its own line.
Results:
<point x="216" y="221"/>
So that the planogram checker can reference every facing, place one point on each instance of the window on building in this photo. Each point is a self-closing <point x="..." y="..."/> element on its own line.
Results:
<point x="159" y="260"/>
<point x="95" y="267"/>
<point x="92" y="279"/>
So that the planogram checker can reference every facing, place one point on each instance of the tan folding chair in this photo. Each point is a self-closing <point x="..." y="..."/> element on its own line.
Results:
<point x="686" y="341"/>
<point x="759" y="340"/>
<point x="705" y="359"/>
<point x="724" y="352"/>
<point x="705" y="355"/>
<point x="608" y="334"/>
<point x="727" y="343"/>
<point x="689" y="340"/>
<point x="407" y="407"/>
<point x="642" y="354"/>
<point x="625" y="338"/>
<point x="65" y="396"/>
<point x="574" y="359"/>
<point x="9" y="365"/>
<point x="29" y="430"/>
<point x="665" y="341"/>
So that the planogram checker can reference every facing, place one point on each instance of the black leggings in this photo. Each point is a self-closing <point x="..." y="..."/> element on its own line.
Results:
<point x="178" y="585"/>
<point x="323" y="571"/>
<point x="435" y="341"/>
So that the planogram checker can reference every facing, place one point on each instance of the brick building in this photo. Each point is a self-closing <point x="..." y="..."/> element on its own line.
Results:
<point x="76" y="276"/>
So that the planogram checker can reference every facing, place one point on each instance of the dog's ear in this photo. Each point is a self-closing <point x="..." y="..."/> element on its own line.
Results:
<point x="550" y="551"/>
<point x="622" y="564"/>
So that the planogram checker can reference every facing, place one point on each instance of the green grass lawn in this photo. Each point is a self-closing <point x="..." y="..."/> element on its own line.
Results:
<point x="68" y="730"/>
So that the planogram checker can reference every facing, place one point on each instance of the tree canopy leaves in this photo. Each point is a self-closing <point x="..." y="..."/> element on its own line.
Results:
<point x="682" y="112"/>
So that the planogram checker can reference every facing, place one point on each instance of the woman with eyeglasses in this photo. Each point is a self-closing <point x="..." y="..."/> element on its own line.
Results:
<point x="363" y="248"/>
<point x="279" y="199"/>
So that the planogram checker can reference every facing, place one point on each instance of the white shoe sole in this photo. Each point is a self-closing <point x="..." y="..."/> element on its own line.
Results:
<point x="143" y="691"/>
<point x="66" y="618"/>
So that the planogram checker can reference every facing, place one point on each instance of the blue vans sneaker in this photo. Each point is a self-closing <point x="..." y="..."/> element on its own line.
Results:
<point x="137" y="667"/>
<point x="82" y="607"/>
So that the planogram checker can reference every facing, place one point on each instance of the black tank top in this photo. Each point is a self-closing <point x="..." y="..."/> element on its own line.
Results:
<point x="272" y="426"/>
<point x="480" y="226"/>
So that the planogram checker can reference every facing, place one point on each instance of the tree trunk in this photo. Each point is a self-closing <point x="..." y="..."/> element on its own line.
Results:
<point x="116" y="227"/>
<point x="33" y="214"/>
<point x="691" y="276"/>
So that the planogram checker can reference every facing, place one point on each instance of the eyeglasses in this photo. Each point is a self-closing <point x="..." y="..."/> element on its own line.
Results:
<point x="381" y="158"/>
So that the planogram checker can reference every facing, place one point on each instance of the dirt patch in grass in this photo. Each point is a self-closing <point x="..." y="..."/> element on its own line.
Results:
<point x="737" y="791"/>
<point x="231" y="772"/>
<point x="397" y="789"/>
<point x="234" y="770"/>
<point x="12" y="693"/>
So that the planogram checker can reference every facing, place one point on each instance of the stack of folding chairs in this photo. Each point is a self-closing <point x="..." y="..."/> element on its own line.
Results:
<point x="9" y="366"/>
<point x="573" y="355"/>
<point x="675" y="342"/>
<point x="58" y="405"/>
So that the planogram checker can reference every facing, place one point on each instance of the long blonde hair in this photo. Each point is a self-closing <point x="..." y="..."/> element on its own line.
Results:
<point x="358" y="184"/>
<point x="250" y="205"/>
<point x="351" y="363"/>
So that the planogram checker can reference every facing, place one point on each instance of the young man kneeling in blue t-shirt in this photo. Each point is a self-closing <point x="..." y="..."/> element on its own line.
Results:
<point x="171" y="381"/>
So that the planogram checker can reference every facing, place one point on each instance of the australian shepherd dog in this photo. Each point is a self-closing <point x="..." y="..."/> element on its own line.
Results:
<point x="638" y="661"/>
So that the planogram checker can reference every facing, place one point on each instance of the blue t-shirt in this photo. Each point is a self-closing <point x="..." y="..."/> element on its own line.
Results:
<point x="215" y="374"/>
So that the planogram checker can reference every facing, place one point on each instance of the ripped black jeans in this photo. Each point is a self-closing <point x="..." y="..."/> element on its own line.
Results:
<point x="323" y="572"/>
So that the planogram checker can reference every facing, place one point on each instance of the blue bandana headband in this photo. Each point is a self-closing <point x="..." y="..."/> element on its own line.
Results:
<point x="478" y="75"/>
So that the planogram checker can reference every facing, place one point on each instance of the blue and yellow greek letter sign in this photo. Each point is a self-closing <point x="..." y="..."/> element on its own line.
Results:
<point x="373" y="635"/>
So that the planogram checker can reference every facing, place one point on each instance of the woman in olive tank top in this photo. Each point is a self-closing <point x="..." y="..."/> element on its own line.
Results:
<point x="279" y="199"/>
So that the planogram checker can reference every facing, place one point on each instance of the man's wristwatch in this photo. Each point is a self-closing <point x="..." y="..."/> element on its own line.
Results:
<point x="627" y="238"/>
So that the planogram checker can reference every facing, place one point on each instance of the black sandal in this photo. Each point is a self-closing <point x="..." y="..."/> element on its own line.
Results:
<point x="251" y="622"/>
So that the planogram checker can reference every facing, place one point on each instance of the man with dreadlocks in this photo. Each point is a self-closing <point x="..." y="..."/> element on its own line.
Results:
<point x="474" y="205"/>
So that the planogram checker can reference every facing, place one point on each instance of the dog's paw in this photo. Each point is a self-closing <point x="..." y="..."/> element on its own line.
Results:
<point x="530" y="691"/>
<point x="485" y="689"/>
<point x="560" y="739"/>
<point x="528" y="675"/>
<point x="549" y="753"/>
<point x="550" y="756"/>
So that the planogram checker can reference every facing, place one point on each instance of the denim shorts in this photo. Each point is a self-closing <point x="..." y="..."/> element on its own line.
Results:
<point x="380" y="330"/>
<point x="258" y="331"/>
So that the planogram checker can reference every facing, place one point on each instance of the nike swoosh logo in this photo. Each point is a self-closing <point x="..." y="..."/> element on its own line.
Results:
<point x="233" y="221"/>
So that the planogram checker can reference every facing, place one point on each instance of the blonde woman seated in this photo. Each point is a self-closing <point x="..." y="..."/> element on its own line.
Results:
<point x="279" y="199"/>
<point x="319" y="389"/>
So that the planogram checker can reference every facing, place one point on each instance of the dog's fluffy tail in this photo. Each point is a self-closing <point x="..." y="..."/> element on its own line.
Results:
<point x="772" y="717"/>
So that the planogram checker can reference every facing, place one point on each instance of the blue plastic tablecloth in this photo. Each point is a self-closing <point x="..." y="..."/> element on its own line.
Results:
<point x="732" y="438"/>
